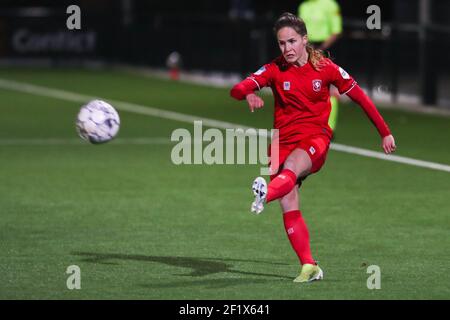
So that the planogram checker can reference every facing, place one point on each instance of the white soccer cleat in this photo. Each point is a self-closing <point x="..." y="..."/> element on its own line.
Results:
<point x="260" y="191"/>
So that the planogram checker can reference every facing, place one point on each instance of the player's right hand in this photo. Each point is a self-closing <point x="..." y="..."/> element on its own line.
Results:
<point x="254" y="102"/>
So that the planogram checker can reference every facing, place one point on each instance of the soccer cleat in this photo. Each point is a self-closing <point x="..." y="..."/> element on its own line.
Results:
<point x="260" y="191"/>
<point x="310" y="272"/>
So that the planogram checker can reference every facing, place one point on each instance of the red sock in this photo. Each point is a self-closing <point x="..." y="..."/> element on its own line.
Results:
<point x="281" y="185"/>
<point x="298" y="235"/>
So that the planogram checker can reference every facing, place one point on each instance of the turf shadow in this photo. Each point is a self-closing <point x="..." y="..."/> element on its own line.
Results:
<point x="200" y="266"/>
<point x="218" y="283"/>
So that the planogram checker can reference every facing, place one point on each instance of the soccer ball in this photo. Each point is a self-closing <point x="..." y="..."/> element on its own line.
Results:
<point x="97" y="122"/>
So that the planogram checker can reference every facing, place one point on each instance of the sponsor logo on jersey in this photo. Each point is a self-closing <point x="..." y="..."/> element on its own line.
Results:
<point x="344" y="73"/>
<point x="312" y="150"/>
<point x="317" y="85"/>
<point x="287" y="85"/>
<point x="260" y="70"/>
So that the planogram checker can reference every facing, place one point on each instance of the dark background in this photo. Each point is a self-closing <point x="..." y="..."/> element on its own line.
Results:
<point x="407" y="56"/>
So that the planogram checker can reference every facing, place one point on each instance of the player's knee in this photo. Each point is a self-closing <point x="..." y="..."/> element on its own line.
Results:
<point x="299" y="162"/>
<point x="289" y="164"/>
<point x="291" y="206"/>
<point x="300" y="168"/>
<point x="289" y="202"/>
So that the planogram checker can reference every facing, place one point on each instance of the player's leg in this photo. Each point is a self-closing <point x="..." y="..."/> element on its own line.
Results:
<point x="297" y="164"/>
<point x="296" y="228"/>
<point x="290" y="202"/>
<point x="307" y="157"/>
<point x="298" y="235"/>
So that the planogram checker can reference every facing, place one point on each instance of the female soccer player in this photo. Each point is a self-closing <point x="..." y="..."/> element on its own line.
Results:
<point x="300" y="79"/>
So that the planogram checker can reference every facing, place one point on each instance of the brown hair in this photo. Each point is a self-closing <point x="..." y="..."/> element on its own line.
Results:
<point x="288" y="19"/>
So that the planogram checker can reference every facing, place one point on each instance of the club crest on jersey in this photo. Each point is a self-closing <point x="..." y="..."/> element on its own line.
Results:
<point x="287" y="85"/>
<point x="317" y="85"/>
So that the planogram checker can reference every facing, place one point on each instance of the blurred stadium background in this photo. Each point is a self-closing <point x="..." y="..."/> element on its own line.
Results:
<point x="403" y="58"/>
<point x="141" y="227"/>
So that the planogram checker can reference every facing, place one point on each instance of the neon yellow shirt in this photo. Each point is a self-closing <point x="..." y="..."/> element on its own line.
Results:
<point x="322" y="18"/>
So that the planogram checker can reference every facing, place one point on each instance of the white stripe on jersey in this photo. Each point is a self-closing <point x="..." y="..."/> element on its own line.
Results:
<point x="251" y="78"/>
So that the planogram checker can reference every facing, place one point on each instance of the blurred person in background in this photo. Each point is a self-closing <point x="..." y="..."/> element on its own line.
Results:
<point x="300" y="79"/>
<point x="324" y="23"/>
<point x="173" y="62"/>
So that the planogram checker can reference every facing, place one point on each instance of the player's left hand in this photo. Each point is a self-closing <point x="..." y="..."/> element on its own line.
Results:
<point x="389" y="144"/>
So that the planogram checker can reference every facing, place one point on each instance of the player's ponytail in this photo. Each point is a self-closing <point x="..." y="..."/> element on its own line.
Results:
<point x="315" y="56"/>
<point x="287" y="19"/>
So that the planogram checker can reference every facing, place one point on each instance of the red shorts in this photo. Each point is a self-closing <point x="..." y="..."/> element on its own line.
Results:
<point x="315" y="146"/>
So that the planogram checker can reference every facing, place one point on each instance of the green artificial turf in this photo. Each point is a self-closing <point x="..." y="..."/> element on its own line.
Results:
<point x="140" y="227"/>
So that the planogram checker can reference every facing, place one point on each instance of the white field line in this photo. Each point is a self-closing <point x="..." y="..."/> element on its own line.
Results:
<point x="80" y="142"/>
<point x="391" y="157"/>
<point x="154" y="112"/>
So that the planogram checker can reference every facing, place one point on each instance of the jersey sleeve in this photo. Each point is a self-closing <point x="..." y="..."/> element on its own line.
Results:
<point x="255" y="81"/>
<point x="340" y="78"/>
<point x="358" y="96"/>
<point x="263" y="76"/>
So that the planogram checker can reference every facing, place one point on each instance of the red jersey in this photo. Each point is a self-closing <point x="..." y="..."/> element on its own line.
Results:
<point x="302" y="97"/>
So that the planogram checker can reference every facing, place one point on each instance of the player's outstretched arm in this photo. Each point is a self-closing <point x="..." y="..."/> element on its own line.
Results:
<point x="245" y="89"/>
<point x="358" y="96"/>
